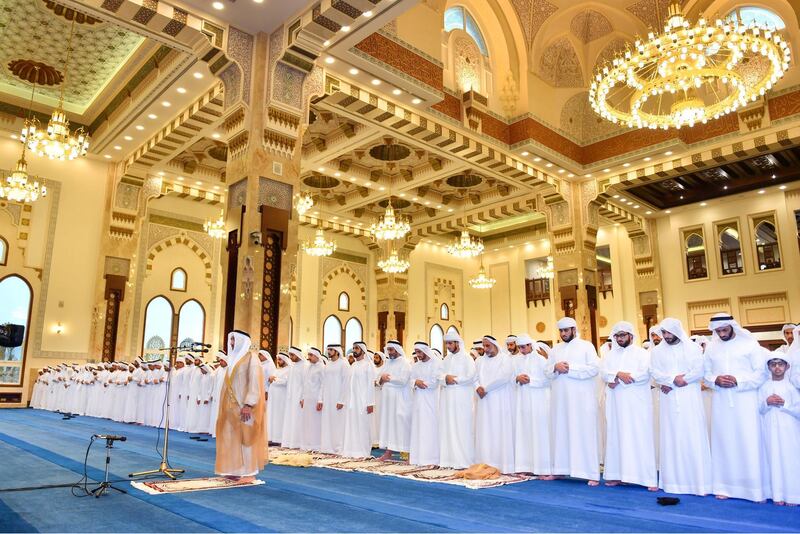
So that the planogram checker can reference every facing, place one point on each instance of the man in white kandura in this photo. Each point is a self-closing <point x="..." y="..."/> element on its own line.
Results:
<point x="333" y="382"/>
<point x="788" y="336"/>
<point x="292" y="433"/>
<point x="311" y="400"/>
<point x="630" y="449"/>
<point x="533" y="374"/>
<point x="494" y="426"/>
<point x="685" y="454"/>
<point x="425" y="374"/>
<point x="735" y="369"/>
<point x="456" y="417"/>
<point x="395" y="412"/>
<point x="358" y="401"/>
<point x="575" y="412"/>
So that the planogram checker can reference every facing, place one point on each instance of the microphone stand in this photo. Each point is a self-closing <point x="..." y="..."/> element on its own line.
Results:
<point x="164" y="467"/>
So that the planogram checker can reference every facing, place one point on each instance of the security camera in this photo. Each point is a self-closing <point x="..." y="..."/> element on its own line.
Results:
<point x="256" y="237"/>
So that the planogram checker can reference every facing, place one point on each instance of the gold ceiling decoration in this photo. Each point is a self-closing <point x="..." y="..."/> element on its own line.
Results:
<point x="35" y="72"/>
<point x="688" y="74"/>
<point x="70" y="14"/>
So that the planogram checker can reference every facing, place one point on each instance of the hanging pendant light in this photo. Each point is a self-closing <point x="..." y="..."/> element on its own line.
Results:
<point x="320" y="246"/>
<point x="303" y="202"/>
<point x="465" y="246"/>
<point x="482" y="281"/>
<point x="216" y="228"/>
<point x="57" y="142"/>
<point x="390" y="226"/>
<point x="18" y="186"/>
<point x="393" y="263"/>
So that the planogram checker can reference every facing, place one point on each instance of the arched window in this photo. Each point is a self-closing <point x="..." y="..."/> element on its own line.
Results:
<point x="458" y="18"/>
<point x="191" y="323"/>
<point x="15" y="305"/>
<point x="437" y="338"/>
<point x="730" y="250"/>
<point x="352" y="332"/>
<point x="158" y="318"/>
<point x="695" y="251"/>
<point x="767" y="249"/>
<point x="332" y="331"/>
<point x="344" y="301"/>
<point x="452" y="330"/>
<point x="177" y="280"/>
<point x="3" y="251"/>
<point x="444" y="312"/>
<point x="747" y="15"/>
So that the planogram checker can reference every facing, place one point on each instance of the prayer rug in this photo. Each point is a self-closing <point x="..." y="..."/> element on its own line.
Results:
<point x="161" y="487"/>
<point x="394" y="468"/>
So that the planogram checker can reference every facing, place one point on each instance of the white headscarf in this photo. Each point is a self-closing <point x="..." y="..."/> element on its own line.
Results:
<point x="787" y="327"/>
<point x="494" y="342"/>
<point x="315" y="351"/>
<point x="674" y="327"/>
<point x="286" y="359"/>
<point x="222" y="356"/>
<point x="568" y="322"/>
<point x="511" y="339"/>
<point x="425" y="349"/>
<point x="337" y="348"/>
<point x="362" y="345"/>
<point x="794" y="348"/>
<point x="724" y="319"/>
<point x="294" y="351"/>
<point x="524" y="339"/>
<point x="477" y="344"/>
<point x="655" y="329"/>
<point x="396" y="346"/>
<point x="238" y="345"/>
<point x="622" y="326"/>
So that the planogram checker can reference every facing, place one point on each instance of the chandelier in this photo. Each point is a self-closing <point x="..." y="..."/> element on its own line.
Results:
<point x="465" y="246"/>
<point x="482" y="281"/>
<point x="57" y="142"/>
<point x="303" y="202"/>
<point x="393" y="263"/>
<point x="320" y="246"/>
<point x="390" y="226"/>
<point x="216" y="228"/>
<point x="689" y="74"/>
<point x="17" y="187"/>
<point x="546" y="269"/>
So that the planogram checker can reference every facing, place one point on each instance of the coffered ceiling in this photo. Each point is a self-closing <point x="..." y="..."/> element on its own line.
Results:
<point x="35" y="33"/>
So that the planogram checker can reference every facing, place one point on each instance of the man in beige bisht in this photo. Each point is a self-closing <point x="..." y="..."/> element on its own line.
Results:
<point x="241" y="439"/>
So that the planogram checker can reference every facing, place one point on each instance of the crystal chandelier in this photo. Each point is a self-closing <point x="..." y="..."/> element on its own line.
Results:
<point x="689" y="74"/>
<point x="393" y="263"/>
<point x="216" y="228"/>
<point x="303" y="202"/>
<point x="482" y="281"/>
<point x="320" y="246"/>
<point x="546" y="269"/>
<point x="57" y="142"/>
<point x="465" y="246"/>
<point x="17" y="187"/>
<point x="390" y="226"/>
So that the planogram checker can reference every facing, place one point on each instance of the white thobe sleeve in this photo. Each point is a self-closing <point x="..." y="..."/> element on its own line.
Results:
<point x="589" y="369"/>
<point x="792" y="403"/>
<point x="607" y="374"/>
<point x="660" y="375"/>
<point x="371" y="392"/>
<point x="467" y="375"/>
<point x="642" y="372"/>
<point x="709" y="377"/>
<point x="344" y="393"/>
<point x="695" y="372"/>
<point x="756" y="375"/>
<point x="401" y="378"/>
<point x="505" y="376"/>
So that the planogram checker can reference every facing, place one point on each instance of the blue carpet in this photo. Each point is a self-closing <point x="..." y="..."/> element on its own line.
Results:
<point x="39" y="448"/>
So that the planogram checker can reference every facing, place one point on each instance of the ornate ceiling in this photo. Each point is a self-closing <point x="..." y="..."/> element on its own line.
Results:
<point x="37" y="30"/>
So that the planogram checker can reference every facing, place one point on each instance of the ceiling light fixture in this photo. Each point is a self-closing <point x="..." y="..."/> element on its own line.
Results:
<point x="216" y="228"/>
<point x="320" y="246"/>
<point x="393" y="263"/>
<point x="218" y="5"/>
<point x="688" y="74"/>
<point x="354" y="71"/>
<point x="482" y="281"/>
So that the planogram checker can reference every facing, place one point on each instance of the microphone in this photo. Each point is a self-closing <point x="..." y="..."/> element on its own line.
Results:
<point x="206" y="345"/>
<point x="199" y="350"/>
<point x="110" y="437"/>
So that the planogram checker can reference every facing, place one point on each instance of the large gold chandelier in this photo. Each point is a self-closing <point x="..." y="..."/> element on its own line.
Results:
<point x="390" y="226"/>
<point x="689" y="74"/>
<point x="393" y="263"/>
<point x="216" y="228"/>
<point x="320" y="246"/>
<point x="546" y="269"/>
<point x="465" y="246"/>
<point x="57" y="142"/>
<point x="303" y="202"/>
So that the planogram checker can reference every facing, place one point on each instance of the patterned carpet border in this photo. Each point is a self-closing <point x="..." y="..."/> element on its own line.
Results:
<point x="163" y="487"/>
<point x="399" y="469"/>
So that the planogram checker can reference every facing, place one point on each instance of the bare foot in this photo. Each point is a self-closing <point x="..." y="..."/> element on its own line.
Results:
<point x="592" y="483"/>
<point x="721" y="497"/>
<point x="612" y="483"/>
<point x="546" y="477"/>
<point x="652" y="488"/>
<point x="779" y="503"/>
<point x="247" y="480"/>
<point x="386" y="456"/>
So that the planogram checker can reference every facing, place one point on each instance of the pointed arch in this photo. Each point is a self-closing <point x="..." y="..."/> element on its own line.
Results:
<point x="194" y="246"/>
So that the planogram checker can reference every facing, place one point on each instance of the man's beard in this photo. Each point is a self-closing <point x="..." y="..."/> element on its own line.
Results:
<point x="568" y="338"/>
<point x="626" y="343"/>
